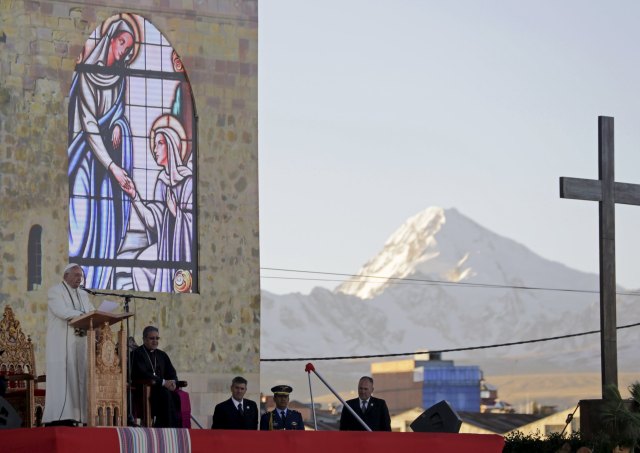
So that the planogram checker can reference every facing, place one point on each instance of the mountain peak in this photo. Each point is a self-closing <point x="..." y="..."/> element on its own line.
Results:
<point x="447" y="246"/>
<point x="412" y="243"/>
<point x="402" y="300"/>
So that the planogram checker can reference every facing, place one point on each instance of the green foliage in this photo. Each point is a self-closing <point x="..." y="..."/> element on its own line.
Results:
<point x="518" y="442"/>
<point x="634" y="389"/>
<point x="618" y="416"/>
<point x="620" y="420"/>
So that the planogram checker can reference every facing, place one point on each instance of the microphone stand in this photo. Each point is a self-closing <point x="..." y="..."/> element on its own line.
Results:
<point x="127" y="298"/>
<point x="309" y="368"/>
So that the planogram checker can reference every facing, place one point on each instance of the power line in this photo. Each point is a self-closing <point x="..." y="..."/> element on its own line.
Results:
<point x="417" y="282"/>
<point x="420" y="281"/>
<point x="470" y="348"/>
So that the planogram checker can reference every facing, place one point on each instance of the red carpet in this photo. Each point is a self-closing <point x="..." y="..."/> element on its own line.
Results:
<point x="106" y="440"/>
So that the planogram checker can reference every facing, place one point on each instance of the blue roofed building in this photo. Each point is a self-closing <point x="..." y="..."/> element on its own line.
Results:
<point x="425" y="380"/>
<point x="443" y="380"/>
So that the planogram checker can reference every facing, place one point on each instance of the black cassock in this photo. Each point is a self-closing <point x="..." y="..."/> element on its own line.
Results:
<point x="156" y="366"/>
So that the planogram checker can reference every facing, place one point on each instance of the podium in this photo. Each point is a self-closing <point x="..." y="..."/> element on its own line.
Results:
<point x="107" y="368"/>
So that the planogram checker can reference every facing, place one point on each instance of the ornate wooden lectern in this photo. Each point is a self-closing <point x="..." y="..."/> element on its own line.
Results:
<point x="107" y="372"/>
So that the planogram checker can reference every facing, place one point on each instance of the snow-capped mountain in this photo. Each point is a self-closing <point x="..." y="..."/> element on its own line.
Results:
<point x="443" y="282"/>
<point x="446" y="246"/>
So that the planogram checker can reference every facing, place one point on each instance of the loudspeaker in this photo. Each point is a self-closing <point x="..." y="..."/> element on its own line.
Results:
<point x="439" y="418"/>
<point x="66" y="422"/>
<point x="9" y="418"/>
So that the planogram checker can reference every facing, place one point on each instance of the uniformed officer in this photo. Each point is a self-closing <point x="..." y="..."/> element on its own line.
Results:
<point x="281" y="417"/>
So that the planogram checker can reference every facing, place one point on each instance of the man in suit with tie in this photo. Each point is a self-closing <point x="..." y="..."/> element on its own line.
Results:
<point x="281" y="417"/>
<point x="373" y="411"/>
<point x="237" y="412"/>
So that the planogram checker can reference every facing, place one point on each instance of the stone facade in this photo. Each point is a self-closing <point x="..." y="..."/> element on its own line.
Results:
<point x="210" y="336"/>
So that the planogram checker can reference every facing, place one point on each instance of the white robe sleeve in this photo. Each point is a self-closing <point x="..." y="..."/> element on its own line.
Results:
<point x="60" y="305"/>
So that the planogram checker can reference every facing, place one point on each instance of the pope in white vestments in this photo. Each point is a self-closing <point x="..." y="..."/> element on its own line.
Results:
<point x="66" y="354"/>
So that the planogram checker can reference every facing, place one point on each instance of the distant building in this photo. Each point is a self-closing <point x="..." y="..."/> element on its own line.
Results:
<point x="405" y="384"/>
<point x="327" y="420"/>
<point x="498" y="423"/>
<point x="489" y="401"/>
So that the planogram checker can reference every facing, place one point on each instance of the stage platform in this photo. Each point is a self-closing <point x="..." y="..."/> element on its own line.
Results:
<point x="108" y="440"/>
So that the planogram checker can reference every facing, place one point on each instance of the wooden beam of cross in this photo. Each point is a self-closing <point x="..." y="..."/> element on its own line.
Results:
<point x="607" y="193"/>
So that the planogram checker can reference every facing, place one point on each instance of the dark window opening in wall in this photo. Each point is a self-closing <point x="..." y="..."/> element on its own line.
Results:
<point x="34" y="258"/>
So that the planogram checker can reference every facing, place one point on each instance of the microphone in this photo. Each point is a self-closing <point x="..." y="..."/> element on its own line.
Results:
<point x="93" y="293"/>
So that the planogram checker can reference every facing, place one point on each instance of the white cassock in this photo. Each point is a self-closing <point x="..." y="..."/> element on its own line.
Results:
<point x="66" y="396"/>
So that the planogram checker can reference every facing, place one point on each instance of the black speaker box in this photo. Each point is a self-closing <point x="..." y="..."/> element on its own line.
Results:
<point x="9" y="418"/>
<point x="439" y="418"/>
<point x="66" y="422"/>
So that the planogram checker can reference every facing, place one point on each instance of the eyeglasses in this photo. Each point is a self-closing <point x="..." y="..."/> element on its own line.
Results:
<point x="153" y="338"/>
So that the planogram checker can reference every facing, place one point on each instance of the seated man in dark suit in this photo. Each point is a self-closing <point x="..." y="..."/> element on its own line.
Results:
<point x="237" y="412"/>
<point x="372" y="410"/>
<point x="281" y="417"/>
<point x="148" y="363"/>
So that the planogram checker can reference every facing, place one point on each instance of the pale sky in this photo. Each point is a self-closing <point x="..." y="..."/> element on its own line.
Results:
<point x="371" y="111"/>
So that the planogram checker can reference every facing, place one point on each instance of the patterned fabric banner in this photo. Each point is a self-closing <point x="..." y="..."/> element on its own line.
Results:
<point x="157" y="440"/>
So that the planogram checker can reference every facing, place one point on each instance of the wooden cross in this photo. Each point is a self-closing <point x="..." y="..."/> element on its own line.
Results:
<point x="607" y="192"/>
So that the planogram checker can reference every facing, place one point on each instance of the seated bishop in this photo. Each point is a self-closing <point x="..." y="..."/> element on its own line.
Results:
<point x="151" y="365"/>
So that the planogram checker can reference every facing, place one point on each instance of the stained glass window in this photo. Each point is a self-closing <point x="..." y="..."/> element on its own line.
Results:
<point x="132" y="161"/>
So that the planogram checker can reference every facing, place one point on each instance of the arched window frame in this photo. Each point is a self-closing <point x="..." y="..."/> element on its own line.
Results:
<point x="34" y="258"/>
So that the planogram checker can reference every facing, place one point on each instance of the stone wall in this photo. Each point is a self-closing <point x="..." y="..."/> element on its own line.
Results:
<point x="213" y="335"/>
